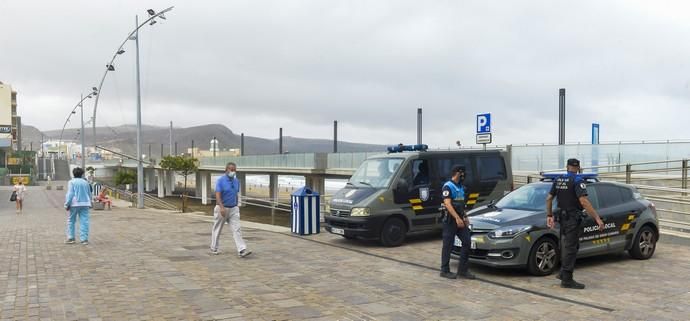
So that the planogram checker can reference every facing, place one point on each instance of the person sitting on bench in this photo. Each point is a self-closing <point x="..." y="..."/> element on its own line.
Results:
<point x="102" y="198"/>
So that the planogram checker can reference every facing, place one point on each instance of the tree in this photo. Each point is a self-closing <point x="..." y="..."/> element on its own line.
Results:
<point x="124" y="177"/>
<point x="183" y="166"/>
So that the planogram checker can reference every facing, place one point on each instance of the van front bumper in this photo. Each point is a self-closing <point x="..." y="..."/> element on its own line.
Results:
<point x="368" y="227"/>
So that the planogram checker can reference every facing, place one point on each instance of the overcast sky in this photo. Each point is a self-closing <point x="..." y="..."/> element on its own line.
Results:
<point x="255" y="66"/>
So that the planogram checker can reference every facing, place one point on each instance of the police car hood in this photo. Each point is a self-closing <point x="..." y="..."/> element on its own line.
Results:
<point x="351" y="196"/>
<point x="492" y="218"/>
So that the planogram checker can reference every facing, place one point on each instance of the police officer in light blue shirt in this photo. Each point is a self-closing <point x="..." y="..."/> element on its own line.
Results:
<point x="455" y="223"/>
<point x="227" y="190"/>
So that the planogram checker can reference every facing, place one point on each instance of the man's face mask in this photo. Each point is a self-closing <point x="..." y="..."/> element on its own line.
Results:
<point x="231" y="174"/>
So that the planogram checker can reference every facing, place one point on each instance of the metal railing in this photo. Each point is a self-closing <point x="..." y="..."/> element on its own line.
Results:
<point x="149" y="200"/>
<point x="663" y="182"/>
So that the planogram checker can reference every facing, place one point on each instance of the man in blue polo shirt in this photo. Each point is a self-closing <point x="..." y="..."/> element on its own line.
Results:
<point x="227" y="190"/>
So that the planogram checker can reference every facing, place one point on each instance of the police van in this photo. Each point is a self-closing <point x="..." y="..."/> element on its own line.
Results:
<point x="391" y="195"/>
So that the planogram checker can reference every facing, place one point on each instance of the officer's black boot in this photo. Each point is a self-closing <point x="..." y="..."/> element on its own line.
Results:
<point x="568" y="282"/>
<point x="448" y="275"/>
<point x="466" y="275"/>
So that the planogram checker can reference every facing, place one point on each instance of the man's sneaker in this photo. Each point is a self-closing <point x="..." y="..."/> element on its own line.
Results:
<point x="215" y="252"/>
<point x="69" y="241"/>
<point x="86" y="242"/>
<point x="572" y="284"/>
<point x="244" y="253"/>
<point x="448" y="275"/>
<point x="466" y="275"/>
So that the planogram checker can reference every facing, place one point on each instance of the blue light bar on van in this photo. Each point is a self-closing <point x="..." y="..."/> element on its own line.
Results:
<point x="408" y="148"/>
<point x="584" y="176"/>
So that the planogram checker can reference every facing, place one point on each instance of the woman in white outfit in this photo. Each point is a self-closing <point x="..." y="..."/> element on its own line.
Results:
<point x="20" y="189"/>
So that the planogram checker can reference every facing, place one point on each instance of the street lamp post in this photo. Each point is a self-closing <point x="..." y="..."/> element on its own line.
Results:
<point x="83" y="148"/>
<point x="111" y="67"/>
<point x="80" y="104"/>
<point x="134" y="35"/>
<point x="140" y="164"/>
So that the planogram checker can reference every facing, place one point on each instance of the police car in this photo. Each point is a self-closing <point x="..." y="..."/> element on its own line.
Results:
<point x="512" y="232"/>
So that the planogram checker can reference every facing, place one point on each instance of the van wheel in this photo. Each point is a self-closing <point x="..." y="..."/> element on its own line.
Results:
<point x="543" y="258"/>
<point x="349" y="237"/>
<point x="393" y="232"/>
<point x="644" y="244"/>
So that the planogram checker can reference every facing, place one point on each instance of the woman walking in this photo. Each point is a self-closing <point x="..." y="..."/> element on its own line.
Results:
<point x="78" y="203"/>
<point x="20" y="191"/>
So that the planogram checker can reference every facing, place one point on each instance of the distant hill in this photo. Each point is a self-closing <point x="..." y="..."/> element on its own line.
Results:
<point x="124" y="138"/>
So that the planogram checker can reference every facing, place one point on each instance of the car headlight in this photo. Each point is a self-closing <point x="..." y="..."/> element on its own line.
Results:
<point x="509" y="231"/>
<point x="360" y="211"/>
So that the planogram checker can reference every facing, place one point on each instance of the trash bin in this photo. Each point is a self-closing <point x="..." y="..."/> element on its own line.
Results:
<point x="306" y="213"/>
<point x="96" y="188"/>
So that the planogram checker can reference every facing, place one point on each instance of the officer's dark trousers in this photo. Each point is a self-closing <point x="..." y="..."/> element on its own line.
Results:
<point x="570" y="242"/>
<point x="450" y="230"/>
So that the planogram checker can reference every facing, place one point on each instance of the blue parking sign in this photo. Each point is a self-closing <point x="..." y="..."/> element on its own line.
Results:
<point x="483" y="123"/>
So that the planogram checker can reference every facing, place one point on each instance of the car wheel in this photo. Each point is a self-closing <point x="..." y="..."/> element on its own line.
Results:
<point x="543" y="258"/>
<point x="644" y="243"/>
<point x="393" y="232"/>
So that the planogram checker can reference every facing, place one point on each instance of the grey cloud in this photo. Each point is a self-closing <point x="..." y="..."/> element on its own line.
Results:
<point x="367" y="64"/>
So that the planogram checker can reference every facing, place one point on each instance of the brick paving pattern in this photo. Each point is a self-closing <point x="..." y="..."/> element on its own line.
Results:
<point x="148" y="265"/>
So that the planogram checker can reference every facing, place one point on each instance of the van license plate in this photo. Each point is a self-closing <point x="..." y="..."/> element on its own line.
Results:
<point x="338" y="231"/>
<point x="458" y="243"/>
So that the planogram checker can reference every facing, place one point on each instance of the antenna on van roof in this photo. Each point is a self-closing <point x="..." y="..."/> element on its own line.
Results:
<point x="407" y="148"/>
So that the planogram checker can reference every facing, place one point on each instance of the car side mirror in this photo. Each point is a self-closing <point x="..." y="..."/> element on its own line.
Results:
<point x="403" y="184"/>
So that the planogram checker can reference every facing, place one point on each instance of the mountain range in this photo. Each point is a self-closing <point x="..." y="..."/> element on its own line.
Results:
<point x="124" y="138"/>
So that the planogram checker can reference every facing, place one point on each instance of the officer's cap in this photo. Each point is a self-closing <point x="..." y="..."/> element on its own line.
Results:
<point x="573" y="162"/>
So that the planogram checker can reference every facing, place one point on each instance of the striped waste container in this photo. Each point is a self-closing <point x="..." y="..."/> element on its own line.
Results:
<point x="96" y="188"/>
<point x="306" y="214"/>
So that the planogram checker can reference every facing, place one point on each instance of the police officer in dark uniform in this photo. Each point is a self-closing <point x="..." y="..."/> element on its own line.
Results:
<point x="571" y="192"/>
<point x="455" y="222"/>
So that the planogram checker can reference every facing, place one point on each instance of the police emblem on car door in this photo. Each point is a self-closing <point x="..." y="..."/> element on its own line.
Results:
<point x="424" y="194"/>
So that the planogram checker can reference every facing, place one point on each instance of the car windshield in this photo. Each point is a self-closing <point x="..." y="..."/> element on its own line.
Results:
<point x="376" y="173"/>
<point x="529" y="198"/>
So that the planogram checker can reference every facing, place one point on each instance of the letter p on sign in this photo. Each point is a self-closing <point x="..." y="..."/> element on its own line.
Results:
<point x="483" y="123"/>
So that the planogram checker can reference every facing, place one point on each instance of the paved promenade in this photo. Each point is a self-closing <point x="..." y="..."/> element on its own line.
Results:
<point x="150" y="265"/>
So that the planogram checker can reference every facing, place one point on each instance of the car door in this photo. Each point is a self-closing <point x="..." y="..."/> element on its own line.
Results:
<point x="589" y="233"/>
<point x="623" y="219"/>
<point x="611" y="207"/>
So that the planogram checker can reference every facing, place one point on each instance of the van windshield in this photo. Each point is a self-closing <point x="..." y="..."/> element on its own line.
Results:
<point x="376" y="173"/>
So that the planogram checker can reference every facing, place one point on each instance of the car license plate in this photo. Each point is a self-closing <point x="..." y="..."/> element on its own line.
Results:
<point x="338" y="231"/>
<point x="458" y="243"/>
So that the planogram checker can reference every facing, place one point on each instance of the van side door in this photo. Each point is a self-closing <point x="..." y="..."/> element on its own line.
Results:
<point x="416" y="193"/>
<point x="491" y="181"/>
<point x="441" y="168"/>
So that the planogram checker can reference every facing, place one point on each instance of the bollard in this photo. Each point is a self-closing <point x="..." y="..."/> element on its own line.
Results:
<point x="628" y="173"/>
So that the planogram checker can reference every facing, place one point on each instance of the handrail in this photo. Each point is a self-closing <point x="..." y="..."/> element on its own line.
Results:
<point x="621" y="165"/>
